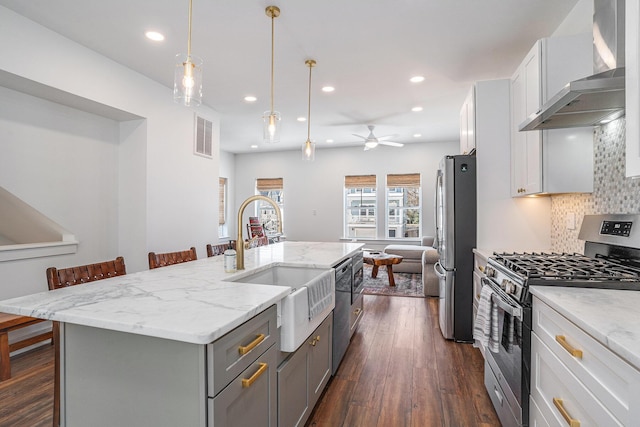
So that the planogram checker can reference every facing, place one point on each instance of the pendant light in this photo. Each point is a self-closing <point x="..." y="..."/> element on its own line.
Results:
<point x="187" y="77"/>
<point x="271" y="118"/>
<point x="309" y="147"/>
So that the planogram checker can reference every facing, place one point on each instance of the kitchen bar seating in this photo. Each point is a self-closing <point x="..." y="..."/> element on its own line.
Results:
<point x="214" y="250"/>
<point x="65" y="277"/>
<point x="170" y="258"/>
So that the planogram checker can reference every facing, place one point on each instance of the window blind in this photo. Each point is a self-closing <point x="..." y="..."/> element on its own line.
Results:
<point x="222" y="200"/>
<point x="359" y="181"/>
<point x="403" y="180"/>
<point x="266" y="184"/>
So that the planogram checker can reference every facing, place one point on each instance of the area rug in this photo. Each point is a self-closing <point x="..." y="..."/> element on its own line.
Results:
<point x="407" y="284"/>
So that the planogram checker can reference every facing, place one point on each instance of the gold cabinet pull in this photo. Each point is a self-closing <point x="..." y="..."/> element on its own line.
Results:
<point x="246" y="382"/>
<point x="572" y="350"/>
<point x="572" y="422"/>
<point x="357" y="311"/>
<point x="246" y="349"/>
<point x="317" y="338"/>
<point x="313" y="342"/>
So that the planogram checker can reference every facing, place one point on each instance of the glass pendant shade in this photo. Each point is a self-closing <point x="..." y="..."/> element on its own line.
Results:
<point x="187" y="80"/>
<point x="271" y="121"/>
<point x="309" y="151"/>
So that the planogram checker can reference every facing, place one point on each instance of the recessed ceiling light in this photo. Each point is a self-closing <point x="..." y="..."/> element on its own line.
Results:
<point x="154" y="35"/>
<point x="329" y="141"/>
<point x="302" y="119"/>
<point x="254" y="146"/>
<point x="416" y="79"/>
<point x="328" y="89"/>
<point x="416" y="109"/>
<point x="250" y="98"/>
<point x="417" y="135"/>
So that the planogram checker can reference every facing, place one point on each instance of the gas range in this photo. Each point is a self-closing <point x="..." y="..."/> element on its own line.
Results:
<point x="611" y="260"/>
<point x="515" y="272"/>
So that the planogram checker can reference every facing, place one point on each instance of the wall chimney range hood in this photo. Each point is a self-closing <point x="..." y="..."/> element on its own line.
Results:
<point x="599" y="98"/>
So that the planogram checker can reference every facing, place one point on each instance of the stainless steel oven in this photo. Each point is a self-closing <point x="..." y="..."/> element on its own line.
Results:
<point x="503" y="368"/>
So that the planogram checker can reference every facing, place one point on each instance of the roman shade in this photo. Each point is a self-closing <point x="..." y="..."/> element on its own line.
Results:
<point x="403" y="180"/>
<point x="266" y="184"/>
<point x="222" y="189"/>
<point x="359" y="181"/>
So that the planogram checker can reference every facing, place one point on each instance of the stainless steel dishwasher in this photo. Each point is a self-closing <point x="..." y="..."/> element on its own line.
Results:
<point x="341" y="312"/>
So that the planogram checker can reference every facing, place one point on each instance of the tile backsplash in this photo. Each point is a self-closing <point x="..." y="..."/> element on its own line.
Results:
<point x="612" y="191"/>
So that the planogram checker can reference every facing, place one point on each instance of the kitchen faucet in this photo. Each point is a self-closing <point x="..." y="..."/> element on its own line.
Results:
<point x="240" y="241"/>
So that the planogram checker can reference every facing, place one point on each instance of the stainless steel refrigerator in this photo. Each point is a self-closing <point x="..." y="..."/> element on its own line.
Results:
<point x="455" y="239"/>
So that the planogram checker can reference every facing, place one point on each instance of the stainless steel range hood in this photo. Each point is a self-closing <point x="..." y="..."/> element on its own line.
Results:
<point x="599" y="98"/>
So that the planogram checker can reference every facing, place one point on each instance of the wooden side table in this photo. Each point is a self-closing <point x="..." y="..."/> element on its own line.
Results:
<point x="378" y="259"/>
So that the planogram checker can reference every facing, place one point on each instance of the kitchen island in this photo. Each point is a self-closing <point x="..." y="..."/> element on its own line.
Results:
<point x="139" y="349"/>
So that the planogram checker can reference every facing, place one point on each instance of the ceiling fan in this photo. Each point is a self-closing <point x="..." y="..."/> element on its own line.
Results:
<point x="372" y="141"/>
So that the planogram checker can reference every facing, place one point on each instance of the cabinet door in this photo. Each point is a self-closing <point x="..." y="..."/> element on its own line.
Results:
<point x="526" y="147"/>
<point x="250" y="399"/>
<point x="320" y="354"/>
<point x="293" y="383"/>
<point x="632" y="88"/>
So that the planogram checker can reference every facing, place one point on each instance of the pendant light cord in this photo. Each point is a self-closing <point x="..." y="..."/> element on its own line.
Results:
<point x="309" y="106"/>
<point x="272" y="55"/>
<point x="189" y="37"/>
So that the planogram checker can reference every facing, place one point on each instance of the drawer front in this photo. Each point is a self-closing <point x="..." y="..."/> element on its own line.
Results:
<point x="357" y="311"/>
<point x="231" y="354"/>
<point x="536" y="419"/>
<point x="557" y="390"/>
<point x="612" y="380"/>
<point x="251" y="398"/>
<point x="479" y="263"/>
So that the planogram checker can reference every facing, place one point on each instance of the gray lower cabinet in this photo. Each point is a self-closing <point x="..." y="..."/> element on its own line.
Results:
<point x="112" y="378"/>
<point x="303" y="375"/>
<point x="250" y="399"/>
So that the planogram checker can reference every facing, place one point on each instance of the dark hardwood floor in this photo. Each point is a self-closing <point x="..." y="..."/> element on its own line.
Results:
<point x="398" y="371"/>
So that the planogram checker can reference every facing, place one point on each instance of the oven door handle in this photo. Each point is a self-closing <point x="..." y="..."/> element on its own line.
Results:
<point x="502" y="300"/>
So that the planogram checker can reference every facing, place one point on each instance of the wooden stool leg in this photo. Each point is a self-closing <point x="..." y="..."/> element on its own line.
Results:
<point x="5" y="362"/>
<point x="392" y="280"/>
<point x="374" y="272"/>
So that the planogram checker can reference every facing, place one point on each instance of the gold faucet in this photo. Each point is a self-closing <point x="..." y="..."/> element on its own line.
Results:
<point x="240" y="241"/>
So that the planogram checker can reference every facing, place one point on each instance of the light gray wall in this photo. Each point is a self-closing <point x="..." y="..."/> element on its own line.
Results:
<point x="578" y="21"/>
<point x="123" y="186"/>
<point x="319" y="186"/>
<point x="228" y="170"/>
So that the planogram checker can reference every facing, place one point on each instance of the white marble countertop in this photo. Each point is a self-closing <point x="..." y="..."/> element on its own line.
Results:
<point x="189" y="302"/>
<point x="612" y="317"/>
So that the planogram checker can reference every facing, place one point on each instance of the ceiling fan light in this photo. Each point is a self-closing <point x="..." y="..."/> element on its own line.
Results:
<point x="371" y="144"/>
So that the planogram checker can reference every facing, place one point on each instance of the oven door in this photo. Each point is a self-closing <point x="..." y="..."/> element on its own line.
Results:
<point x="506" y="364"/>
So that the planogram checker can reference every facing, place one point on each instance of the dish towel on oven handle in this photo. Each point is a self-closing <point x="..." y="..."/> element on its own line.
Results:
<point x="486" y="327"/>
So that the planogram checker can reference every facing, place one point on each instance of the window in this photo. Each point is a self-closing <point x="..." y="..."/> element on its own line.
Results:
<point x="360" y="206"/>
<point x="404" y="208"/>
<point x="222" y="207"/>
<point x="273" y="189"/>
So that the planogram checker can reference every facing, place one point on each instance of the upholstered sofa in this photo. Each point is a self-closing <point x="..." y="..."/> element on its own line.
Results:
<point x="418" y="259"/>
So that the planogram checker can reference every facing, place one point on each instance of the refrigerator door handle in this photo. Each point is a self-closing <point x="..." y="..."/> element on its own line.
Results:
<point x="440" y="272"/>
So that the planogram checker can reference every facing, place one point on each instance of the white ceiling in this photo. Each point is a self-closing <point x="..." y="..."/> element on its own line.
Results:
<point x="367" y="49"/>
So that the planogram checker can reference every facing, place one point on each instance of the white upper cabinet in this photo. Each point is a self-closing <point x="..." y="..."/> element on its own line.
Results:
<point x="468" y="123"/>
<point x="632" y="87"/>
<point x="558" y="160"/>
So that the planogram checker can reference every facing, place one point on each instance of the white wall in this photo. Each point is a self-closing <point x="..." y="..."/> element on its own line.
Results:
<point x="159" y="195"/>
<point x="504" y="223"/>
<point x="578" y="21"/>
<point x="319" y="186"/>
